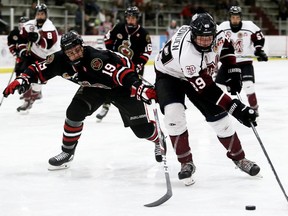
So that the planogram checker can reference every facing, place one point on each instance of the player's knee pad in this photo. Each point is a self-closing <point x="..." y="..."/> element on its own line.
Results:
<point x="248" y="87"/>
<point x="175" y="119"/>
<point x="223" y="127"/>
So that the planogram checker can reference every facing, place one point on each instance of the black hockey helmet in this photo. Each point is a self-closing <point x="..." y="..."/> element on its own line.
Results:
<point x="202" y="24"/>
<point x="236" y="25"/>
<point x="70" y="40"/>
<point x="23" y="19"/>
<point x="132" y="11"/>
<point x="235" y="10"/>
<point x="41" y="8"/>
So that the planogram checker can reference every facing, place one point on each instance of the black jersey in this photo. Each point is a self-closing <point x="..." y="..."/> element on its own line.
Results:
<point x="98" y="68"/>
<point x="135" y="44"/>
<point x="15" y="42"/>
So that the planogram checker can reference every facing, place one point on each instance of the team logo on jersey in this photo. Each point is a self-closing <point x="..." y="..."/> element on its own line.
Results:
<point x="240" y="35"/>
<point x="125" y="49"/>
<point x="96" y="64"/>
<point x="49" y="59"/>
<point x="120" y="36"/>
<point x="191" y="69"/>
<point x="15" y="37"/>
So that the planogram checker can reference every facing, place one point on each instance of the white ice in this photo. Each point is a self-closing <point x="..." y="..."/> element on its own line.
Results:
<point x="115" y="173"/>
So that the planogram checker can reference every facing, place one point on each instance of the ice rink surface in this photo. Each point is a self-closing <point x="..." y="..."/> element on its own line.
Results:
<point x="115" y="174"/>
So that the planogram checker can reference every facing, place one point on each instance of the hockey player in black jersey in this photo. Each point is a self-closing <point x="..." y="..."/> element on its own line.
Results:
<point x="130" y="39"/>
<point x="18" y="47"/>
<point x="102" y="75"/>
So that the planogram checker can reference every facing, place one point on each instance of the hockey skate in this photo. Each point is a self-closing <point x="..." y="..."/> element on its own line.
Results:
<point x="61" y="161"/>
<point x="103" y="112"/>
<point x="29" y="98"/>
<point x="25" y="106"/>
<point x="185" y="174"/>
<point x="248" y="166"/>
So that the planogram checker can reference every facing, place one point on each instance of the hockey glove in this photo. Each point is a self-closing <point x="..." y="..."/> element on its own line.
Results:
<point x="261" y="55"/>
<point x="20" y="83"/>
<point x="242" y="113"/>
<point x="234" y="81"/>
<point x="33" y="36"/>
<point x="143" y="92"/>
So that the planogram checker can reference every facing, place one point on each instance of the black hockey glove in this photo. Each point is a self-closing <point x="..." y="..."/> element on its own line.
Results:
<point x="21" y="83"/>
<point x="245" y="115"/>
<point x="143" y="92"/>
<point x="234" y="81"/>
<point x="33" y="36"/>
<point x="261" y="55"/>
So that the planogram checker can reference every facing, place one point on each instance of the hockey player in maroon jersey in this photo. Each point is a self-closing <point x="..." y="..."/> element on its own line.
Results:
<point x="184" y="67"/>
<point x="101" y="74"/>
<point x="18" y="47"/>
<point x="42" y="37"/>
<point x="130" y="39"/>
<point x="247" y="39"/>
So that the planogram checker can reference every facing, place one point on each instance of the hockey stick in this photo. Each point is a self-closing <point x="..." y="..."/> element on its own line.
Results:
<point x="7" y="85"/>
<point x="168" y="194"/>
<point x="252" y="56"/>
<point x="267" y="156"/>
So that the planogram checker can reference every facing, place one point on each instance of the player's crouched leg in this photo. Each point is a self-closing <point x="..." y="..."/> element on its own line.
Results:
<point x="148" y="131"/>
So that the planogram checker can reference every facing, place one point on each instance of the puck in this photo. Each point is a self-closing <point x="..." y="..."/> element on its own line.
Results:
<point x="250" y="207"/>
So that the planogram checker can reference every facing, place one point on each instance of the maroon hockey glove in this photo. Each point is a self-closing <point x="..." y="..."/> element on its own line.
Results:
<point x="242" y="113"/>
<point x="20" y="83"/>
<point x="234" y="81"/>
<point x="143" y="92"/>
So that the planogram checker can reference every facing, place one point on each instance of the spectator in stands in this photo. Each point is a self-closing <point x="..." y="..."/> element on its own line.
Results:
<point x="32" y="11"/>
<point x="283" y="10"/>
<point x="187" y="13"/>
<point x="3" y="25"/>
<point x="91" y="8"/>
<point x="172" y="29"/>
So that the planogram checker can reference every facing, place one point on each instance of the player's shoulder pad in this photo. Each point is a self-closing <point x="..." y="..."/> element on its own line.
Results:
<point x="48" y="26"/>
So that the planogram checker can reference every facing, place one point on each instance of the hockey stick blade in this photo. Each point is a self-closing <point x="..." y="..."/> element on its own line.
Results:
<point x="168" y="194"/>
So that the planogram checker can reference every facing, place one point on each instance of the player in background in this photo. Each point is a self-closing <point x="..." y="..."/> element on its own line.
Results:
<point x="101" y="74"/>
<point x="171" y="29"/>
<point x="247" y="39"/>
<point x="42" y="37"/>
<point x="18" y="47"/>
<point x="184" y="67"/>
<point x="133" y="41"/>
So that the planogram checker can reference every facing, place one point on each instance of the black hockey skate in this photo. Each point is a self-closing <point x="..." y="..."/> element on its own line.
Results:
<point x="185" y="174"/>
<point x="61" y="161"/>
<point x="103" y="112"/>
<point x="248" y="166"/>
